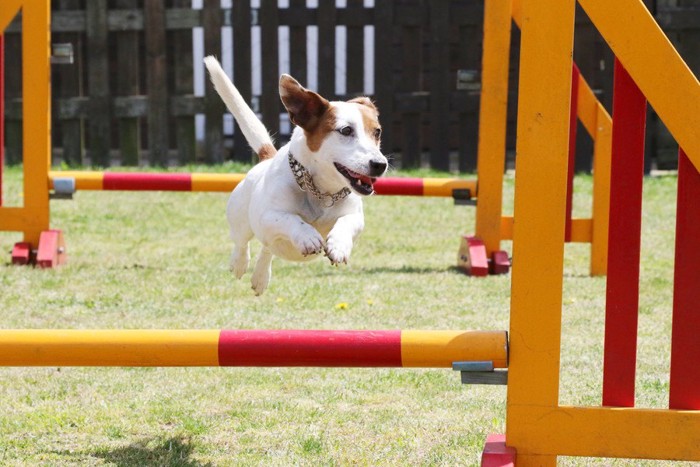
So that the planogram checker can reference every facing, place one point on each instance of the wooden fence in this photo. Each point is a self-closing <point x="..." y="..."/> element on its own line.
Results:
<point x="128" y="97"/>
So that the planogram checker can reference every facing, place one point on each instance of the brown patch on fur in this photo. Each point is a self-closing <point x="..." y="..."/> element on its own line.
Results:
<point x="305" y="107"/>
<point x="266" y="151"/>
<point x="324" y="127"/>
<point x="366" y="101"/>
<point x="370" y="117"/>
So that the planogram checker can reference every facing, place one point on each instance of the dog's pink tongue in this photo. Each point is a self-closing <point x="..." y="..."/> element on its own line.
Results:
<point x="366" y="180"/>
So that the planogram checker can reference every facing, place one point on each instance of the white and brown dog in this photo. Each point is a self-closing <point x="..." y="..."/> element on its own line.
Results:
<point x="306" y="197"/>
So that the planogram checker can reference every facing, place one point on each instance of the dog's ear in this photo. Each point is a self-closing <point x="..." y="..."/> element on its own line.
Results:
<point x="305" y="107"/>
<point x="366" y="101"/>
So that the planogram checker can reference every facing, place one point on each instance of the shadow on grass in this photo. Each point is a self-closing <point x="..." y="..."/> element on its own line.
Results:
<point x="400" y="270"/>
<point x="175" y="451"/>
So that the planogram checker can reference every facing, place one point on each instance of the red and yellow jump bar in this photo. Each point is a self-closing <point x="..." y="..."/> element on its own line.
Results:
<point x="253" y="348"/>
<point x="148" y="181"/>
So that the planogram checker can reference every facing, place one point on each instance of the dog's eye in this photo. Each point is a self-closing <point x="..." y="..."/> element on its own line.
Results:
<point x="377" y="133"/>
<point x="346" y="131"/>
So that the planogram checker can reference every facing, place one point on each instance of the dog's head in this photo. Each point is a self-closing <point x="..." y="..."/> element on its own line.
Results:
<point x="342" y="138"/>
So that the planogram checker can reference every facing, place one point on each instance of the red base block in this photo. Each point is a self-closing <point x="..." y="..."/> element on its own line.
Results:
<point x="52" y="249"/>
<point x="500" y="262"/>
<point x="496" y="453"/>
<point x="22" y="253"/>
<point x="472" y="257"/>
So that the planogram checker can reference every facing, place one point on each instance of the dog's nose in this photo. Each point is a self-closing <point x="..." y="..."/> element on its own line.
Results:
<point x="377" y="167"/>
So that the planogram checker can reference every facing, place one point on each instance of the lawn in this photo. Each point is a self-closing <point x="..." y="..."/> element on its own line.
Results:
<point x="159" y="260"/>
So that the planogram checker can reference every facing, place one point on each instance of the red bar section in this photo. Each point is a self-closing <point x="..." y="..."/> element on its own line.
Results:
<point x="622" y="295"/>
<point x="573" y="122"/>
<point x="125" y="181"/>
<point x="284" y="348"/>
<point x="399" y="186"/>
<point x="685" y="341"/>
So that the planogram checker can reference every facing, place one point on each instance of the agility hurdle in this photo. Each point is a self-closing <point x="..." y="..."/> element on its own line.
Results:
<point x="68" y="182"/>
<point x="538" y="428"/>
<point x="256" y="348"/>
<point x="481" y="253"/>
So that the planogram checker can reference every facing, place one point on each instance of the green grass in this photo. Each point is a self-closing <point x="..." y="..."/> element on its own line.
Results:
<point x="159" y="260"/>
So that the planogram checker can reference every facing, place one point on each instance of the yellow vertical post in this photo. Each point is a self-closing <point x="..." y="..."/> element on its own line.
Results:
<point x="492" y="122"/>
<point x="33" y="217"/>
<point x="36" y="106"/>
<point x="547" y="28"/>
<point x="602" y="155"/>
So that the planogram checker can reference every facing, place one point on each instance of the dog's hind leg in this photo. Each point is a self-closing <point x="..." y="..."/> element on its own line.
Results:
<point x="240" y="256"/>
<point x="262" y="272"/>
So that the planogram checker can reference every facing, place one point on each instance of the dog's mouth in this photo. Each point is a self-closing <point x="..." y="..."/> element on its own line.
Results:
<point x="362" y="184"/>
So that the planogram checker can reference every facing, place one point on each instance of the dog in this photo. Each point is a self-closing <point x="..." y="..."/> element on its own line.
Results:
<point x="305" y="198"/>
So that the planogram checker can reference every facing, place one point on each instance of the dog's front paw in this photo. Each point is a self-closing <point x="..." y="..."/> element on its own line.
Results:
<point x="338" y="250"/>
<point x="309" y="243"/>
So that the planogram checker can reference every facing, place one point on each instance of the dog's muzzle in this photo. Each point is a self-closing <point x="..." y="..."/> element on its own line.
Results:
<point x="362" y="184"/>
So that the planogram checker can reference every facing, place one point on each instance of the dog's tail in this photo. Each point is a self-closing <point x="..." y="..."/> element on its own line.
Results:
<point x="254" y="131"/>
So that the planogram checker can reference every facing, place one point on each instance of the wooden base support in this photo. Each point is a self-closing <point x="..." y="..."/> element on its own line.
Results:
<point x="473" y="260"/>
<point x="472" y="257"/>
<point x="52" y="249"/>
<point x="496" y="453"/>
<point x="22" y="253"/>
<point x="500" y="262"/>
<point x="50" y="253"/>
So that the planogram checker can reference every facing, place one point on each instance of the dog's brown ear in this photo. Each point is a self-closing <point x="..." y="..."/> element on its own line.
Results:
<point x="305" y="107"/>
<point x="366" y="101"/>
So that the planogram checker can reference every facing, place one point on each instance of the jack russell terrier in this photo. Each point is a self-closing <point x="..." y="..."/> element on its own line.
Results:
<point x="306" y="197"/>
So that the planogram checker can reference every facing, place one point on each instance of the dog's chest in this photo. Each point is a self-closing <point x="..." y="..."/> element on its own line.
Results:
<point x="322" y="219"/>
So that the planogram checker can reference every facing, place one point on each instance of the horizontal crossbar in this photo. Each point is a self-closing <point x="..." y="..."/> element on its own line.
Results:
<point x="151" y="181"/>
<point x="278" y="348"/>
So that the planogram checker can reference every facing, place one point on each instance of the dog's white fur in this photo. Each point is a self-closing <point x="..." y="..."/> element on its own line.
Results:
<point x="269" y="204"/>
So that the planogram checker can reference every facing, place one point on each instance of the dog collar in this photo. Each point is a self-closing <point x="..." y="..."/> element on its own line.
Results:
<point x="306" y="183"/>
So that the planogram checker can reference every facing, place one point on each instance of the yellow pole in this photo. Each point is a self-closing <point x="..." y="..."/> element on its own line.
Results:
<point x="48" y="347"/>
<point x="434" y="349"/>
<point x="547" y="28"/>
<point x="36" y="106"/>
<point x="491" y="156"/>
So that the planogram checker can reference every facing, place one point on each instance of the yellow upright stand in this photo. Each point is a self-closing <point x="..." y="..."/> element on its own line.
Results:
<point x="492" y="226"/>
<point x="33" y="218"/>
<point x="537" y="426"/>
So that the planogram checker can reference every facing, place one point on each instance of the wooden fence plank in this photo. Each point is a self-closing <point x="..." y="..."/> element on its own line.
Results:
<point x="214" y="107"/>
<point x="469" y="47"/>
<point x="128" y="85"/>
<point x="183" y="86"/>
<point x="355" y="50"/>
<point x="440" y="84"/>
<point x="69" y="78"/>
<point x="411" y="82"/>
<point x="327" y="14"/>
<point x="99" y="136"/>
<point x="383" y="72"/>
<point x="242" y="71"/>
<point x="269" y="100"/>
<point x="297" y="45"/>
<point x="157" y="84"/>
